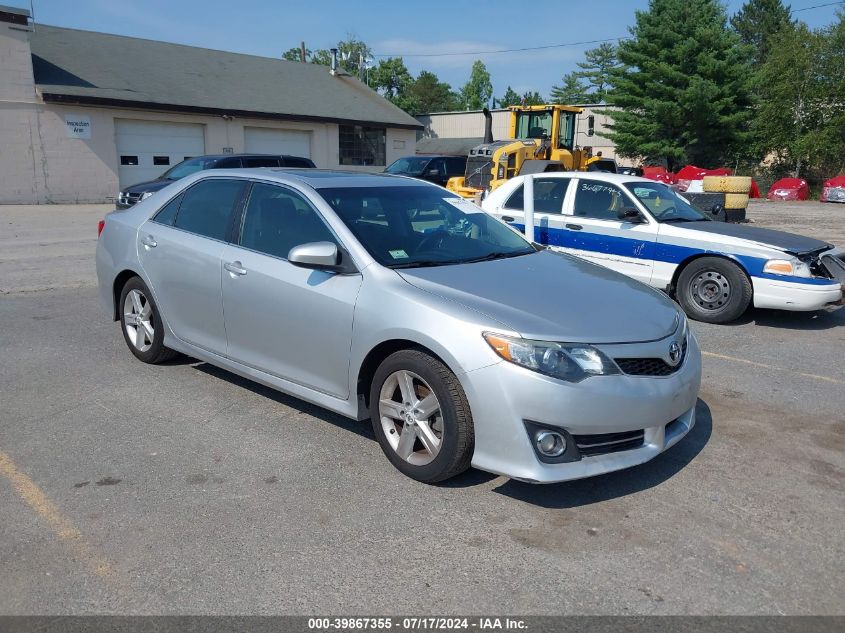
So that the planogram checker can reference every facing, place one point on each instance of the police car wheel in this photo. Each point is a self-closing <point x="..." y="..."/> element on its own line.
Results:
<point x="713" y="290"/>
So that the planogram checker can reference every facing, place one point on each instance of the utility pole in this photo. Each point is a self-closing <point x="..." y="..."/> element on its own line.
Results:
<point x="361" y="67"/>
<point x="302" y="52"/>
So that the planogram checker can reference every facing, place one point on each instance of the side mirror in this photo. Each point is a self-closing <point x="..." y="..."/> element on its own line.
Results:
<point x="717" y="209"/>
<point x="316" y="255"/>
<point x="433" y="172"/>
<point x="630" y="214"/>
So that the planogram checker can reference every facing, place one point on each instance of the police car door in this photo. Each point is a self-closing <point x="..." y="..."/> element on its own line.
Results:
<point x="595" y="231"/>
<point x="549" y="194"/>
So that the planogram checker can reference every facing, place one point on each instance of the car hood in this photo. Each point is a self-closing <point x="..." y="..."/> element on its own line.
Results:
<point x="552" y="296"/>
<point x="150" y="185"/>
<point x="787" y="242"/>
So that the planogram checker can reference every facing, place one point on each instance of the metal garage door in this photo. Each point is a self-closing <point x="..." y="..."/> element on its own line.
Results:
<point x="263" y="140"/>
<point x="146" y="149"/>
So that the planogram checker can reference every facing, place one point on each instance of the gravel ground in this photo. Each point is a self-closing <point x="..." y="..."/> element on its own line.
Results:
<point x="136" y="489"/>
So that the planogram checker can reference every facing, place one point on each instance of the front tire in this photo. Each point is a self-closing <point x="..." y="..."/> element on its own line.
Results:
<point x="421" y="417"/>
<point x="713" y="290"/>
<point x="141" y="323"/>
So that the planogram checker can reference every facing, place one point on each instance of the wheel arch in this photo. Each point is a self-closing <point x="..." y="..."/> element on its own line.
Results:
<point x="375" y="357"/>
<point x="673" y="286"/>
<point x="120" y="281"/>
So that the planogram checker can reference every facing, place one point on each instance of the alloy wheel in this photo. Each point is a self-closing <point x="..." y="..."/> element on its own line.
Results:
<point x="138" y="320"/>
<point x="410" y="415"/>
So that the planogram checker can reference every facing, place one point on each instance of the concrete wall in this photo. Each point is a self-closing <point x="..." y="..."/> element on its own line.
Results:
<point x="41" y="163"/>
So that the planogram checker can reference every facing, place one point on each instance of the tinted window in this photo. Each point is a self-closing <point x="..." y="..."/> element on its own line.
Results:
<point x="261" y="161"/>
<point x="407" y="226"/>
<point x="188" y="167"/>
<point x="548" y="195"/>
<point x="456" y="166"/>
<point x="227" y="163"/>
<point x="167" y="213"/>
<point x="293" y="161"/>
<point x="207" y="207"/>
<point x="600" y="200"/>
<point x="278" y="219"/>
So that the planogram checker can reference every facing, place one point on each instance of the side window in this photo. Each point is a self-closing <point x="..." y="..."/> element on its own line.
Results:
<point x="207" y="207"/>
<point x="293" y="161"/>
<point x="456" y="166"/>
<point x="167" y="214"/>
<point x="277" y="219"/>
<point x="599" y="200"/>
<point x="228" y="163"/>
<point x="548" y="195"/>
<point x="261" y="161"/>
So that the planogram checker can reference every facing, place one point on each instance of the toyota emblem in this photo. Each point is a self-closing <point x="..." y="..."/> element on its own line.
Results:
<point x="674" y="353"/>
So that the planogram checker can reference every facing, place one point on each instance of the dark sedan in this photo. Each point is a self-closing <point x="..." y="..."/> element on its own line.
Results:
<point x="130" y="195"/>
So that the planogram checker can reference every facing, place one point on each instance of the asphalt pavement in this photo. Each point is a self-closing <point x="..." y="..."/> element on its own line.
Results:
<point x="183" y="489"/>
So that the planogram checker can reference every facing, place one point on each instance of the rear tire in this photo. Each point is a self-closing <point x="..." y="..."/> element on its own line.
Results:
<point x="421" y="417"/>
<point x="141" y="324"/>
<point x="713" y="290"/>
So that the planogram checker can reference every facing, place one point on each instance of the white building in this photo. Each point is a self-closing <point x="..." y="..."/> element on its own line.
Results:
<point x="84" y="113"/>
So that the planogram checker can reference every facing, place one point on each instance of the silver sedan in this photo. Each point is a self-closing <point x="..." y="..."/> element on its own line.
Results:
<point x="388" y="298"/>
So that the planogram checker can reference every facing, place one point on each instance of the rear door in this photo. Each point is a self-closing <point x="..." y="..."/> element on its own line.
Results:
<point x="288" y="321"/>
<point x="180" y="251"/>
<point x="594" y="231"/>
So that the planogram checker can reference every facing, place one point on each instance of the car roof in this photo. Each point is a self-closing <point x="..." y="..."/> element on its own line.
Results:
<point x="594" y="175"/>
<point x="218" y="156"/>
<point x="322" y="178"/>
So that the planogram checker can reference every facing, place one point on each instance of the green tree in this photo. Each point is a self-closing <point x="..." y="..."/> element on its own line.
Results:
<point x="292" y="54"/>
<point x="477" y="91"/>
<point x="683" y="87"/>
<point x="572" y="90"/>
<point x="428" y="94"/>
<point x="801" y="114"/>
<point x="596" y="69"/>
<point x="391" y="78"/>
<point x="757" y="22"/>
<point x="510" y="98"/>
<point x="532" y="97"/>
<point x="350" y="51"/>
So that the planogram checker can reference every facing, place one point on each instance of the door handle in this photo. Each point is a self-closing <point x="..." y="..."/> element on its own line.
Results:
<point x="574" y="227"/>
<point x="235" y="268"/>
<point x="507" y="218"/>
<point x="149" y="241"/>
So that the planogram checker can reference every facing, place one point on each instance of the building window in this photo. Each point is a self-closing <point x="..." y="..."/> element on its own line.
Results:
<point x="161" y="160"/>
<point x="591" y="125"/>
<point x="360" y="145"/>
<point x="128" y="160"/>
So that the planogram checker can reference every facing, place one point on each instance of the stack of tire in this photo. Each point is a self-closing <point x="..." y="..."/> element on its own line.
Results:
<point x="736" y="190"/>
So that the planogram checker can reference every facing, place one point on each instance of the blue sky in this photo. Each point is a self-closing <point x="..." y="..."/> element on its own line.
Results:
<point x="269" y="27"/>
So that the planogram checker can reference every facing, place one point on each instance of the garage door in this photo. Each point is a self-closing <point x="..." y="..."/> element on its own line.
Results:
<point x="146" y="149"/>
<point x="263" y="140"/>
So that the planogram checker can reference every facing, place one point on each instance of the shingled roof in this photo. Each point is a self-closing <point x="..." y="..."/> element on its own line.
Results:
<point x="84" y="67"/>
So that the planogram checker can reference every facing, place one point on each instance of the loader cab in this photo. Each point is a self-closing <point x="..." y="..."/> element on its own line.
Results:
<point x="553" y="122"/>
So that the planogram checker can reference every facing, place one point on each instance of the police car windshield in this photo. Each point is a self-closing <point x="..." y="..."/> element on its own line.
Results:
<point x="664" y="203"/>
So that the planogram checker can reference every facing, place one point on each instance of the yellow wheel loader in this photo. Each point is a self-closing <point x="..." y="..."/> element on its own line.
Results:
<point x="542" y="138"/>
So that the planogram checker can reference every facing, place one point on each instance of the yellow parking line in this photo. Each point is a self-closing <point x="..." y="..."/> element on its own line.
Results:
<point x="745" y="361"/>
<point x="35" y="498"/>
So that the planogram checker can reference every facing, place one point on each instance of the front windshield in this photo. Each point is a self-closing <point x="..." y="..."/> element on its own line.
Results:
<point x="405" y="227"/>
<point x="413" y="165"/>
<point x="664" y="203"/>
<point x="533" y="125"/>
<point x="187" y="167"/>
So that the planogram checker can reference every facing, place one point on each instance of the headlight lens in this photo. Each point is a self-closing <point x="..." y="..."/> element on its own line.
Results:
<point x="570" y="362"/>
<point x="793" y="267"/>
<point x="146" y="195"/>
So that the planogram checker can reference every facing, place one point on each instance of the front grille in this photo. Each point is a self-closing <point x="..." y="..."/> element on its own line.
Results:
<point x="478" y="172"/>
<point x="128" y="198"/>
<point x="604" y="443"/>
<point x="650" y="366"/>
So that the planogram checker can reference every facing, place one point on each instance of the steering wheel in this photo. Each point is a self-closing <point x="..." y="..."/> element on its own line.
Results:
<point x="432" y="240"/>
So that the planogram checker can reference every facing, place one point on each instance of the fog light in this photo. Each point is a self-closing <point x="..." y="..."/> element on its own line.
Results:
<point x="550" y="443"/>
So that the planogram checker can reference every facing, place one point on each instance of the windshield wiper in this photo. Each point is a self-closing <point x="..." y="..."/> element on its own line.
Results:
<point x="427" y="263"/>
<point x="492" y="256"/>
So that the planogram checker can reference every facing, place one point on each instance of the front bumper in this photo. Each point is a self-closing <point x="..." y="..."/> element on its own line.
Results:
<point x="504" y="396"/>
<point x="787" y="295"/>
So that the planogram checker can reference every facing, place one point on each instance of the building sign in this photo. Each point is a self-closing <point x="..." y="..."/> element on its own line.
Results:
<point x="78" y="126"/>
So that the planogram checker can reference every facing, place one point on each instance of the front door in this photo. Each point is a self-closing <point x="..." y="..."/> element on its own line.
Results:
<point x="549" y="195"/>
<point x="180" y="251"/>
<point x="595" y="232"/>
<point x="288" y="321"/>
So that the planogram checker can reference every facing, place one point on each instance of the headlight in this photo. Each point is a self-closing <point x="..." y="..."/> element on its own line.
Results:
<point x="145" y="195"/>
<point x="571" y="362"/>
<point x="793" y="267"/>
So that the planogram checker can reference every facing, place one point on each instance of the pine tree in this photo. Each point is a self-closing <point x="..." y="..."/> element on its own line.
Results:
<point x="510" y="98"/>
<point x="683" y="87"/>
<point x="596" y="69"/>
<point x="571" y="91"/>
<point x="757" y="22"/>
<point x="428" y="94"/>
